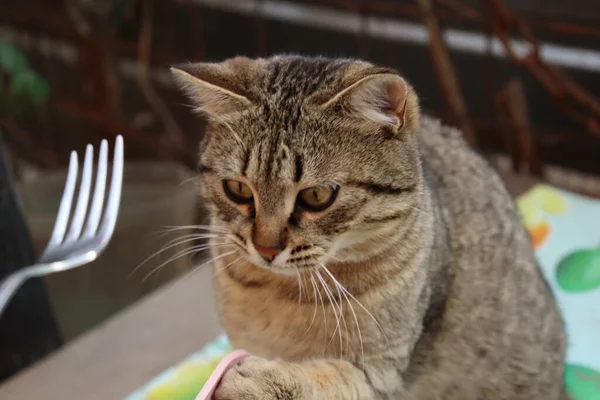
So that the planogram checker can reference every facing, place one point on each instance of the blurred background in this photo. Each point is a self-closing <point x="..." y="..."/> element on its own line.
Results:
<point x="518" y="77"/>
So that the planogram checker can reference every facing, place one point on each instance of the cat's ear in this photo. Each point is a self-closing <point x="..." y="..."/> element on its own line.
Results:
<point x="385" y="99"/>
<point x="215" y="88"/>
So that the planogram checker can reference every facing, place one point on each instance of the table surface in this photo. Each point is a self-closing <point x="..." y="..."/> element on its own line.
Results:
<point x="120" y="355"/>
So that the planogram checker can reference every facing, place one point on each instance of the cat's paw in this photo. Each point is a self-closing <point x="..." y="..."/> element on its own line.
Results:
<point x="260" y="379"/>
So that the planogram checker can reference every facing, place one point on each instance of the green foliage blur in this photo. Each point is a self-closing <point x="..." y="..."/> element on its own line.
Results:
<point x="21" y="88"/>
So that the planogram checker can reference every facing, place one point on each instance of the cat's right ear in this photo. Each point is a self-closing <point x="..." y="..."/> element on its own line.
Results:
<point x="383" y="98"/>
<point x="214" y="88"/>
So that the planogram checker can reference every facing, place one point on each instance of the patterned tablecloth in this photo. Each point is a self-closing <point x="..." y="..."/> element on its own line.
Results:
<point x="565" y="231"/>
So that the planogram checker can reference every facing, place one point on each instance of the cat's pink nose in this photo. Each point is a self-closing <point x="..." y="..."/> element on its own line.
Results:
<point x="268" y="253"/>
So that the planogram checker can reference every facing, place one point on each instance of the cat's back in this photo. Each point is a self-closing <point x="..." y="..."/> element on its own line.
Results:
<point x="477" y="207"/>
<point x="498" y="304"/>
<point x="470" y="188"/>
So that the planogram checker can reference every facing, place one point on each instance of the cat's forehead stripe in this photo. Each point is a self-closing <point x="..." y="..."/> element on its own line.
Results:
<point x="299" y="168"/>
<point x="274" y="149"/>
<point x="297" y="77"/>
<point x="246" y="163"/>
<point x="377" y="188"/>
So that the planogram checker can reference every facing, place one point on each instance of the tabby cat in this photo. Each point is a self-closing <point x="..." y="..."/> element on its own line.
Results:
<point x="362" y="250"/>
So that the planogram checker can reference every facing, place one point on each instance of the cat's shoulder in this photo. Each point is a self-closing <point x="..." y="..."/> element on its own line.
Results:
<point x="444" y="146"/>
<point x="436" y="136"/>
<point x="456" y="165"/>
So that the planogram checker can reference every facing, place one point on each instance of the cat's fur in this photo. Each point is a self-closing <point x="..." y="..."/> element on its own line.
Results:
<point x="444" y="301"/>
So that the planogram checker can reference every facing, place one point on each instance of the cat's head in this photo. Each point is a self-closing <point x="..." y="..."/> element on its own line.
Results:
<point x="305" y="160"/>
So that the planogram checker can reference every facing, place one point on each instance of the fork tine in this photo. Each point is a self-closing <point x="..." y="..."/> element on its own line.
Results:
<point x="81" y="252"/>
<point x="83" y="198"/>
<point x="112" y="205"/>
<point x="99" y="190"/>
<point x="64" y="209"/>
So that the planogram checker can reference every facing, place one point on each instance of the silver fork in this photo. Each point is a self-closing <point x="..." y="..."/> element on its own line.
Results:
<point x="67" y="250"/>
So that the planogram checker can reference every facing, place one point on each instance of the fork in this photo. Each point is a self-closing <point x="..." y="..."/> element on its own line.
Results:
<point x="75" y="247"/>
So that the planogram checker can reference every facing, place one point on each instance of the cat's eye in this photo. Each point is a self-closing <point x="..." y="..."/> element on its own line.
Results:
<point x="238" y="191"/>
<point x="317" y="198"/>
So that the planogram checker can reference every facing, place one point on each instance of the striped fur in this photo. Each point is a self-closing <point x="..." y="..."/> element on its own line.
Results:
<point x="418" y="282"/>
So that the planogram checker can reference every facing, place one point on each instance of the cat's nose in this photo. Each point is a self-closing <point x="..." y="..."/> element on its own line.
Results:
<point x="268" y="240"/>
<point x="268" y="253"/>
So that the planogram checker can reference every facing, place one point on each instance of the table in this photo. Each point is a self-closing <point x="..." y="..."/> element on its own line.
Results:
<point x="120" y="355"/>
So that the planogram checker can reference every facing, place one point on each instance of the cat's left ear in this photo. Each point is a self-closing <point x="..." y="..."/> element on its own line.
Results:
<point x="217" y="89"/>
<point x="384" y="98"/>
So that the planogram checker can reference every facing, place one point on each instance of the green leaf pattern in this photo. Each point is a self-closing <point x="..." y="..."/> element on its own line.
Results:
<point x="20" y="86"/>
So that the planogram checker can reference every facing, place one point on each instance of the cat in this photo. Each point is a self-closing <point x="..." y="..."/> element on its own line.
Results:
<point x="363" y="250"/>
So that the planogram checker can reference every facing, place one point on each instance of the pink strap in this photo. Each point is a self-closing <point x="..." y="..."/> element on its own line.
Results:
<point x="229" y="361"/>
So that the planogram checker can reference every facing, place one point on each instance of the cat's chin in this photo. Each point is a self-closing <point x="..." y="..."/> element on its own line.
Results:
<point x="277" y="269"/>
<point x="282" y="271"/>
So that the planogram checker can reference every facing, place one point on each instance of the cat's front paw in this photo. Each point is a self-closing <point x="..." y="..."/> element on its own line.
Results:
<point x="260" y="379"/>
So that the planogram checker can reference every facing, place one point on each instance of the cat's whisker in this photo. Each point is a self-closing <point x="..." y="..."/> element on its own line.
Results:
<point x="360" y="305"/>
<point x="211" y="228"/>
<point x="421" y="211"/>
<point x="170" y="244"/>
<point x="183" y="253"/>
<point x="238" y="243"/>
<point x="190" y="231"/>
<point x="189" y="238"/>
<point x="324" y="313"/>
<point x="339" y="304"/>
<point x="299" y="286"/>
<point x="312" y="279"/>
<point x="339" y="301"/>
<point x="237" y="240"/>
<point x="323" y="254"/>
<point x="219" y="270"/>
<point x="190" y="106"/>
<point x="209" y="261"/>
<point x="193" y="178"/>
<point x="198" y="236"/>
<point x="333" y="257"/>
<point x="360" y="339"/>
<point x="332" y="304"/>
<point x="225" y="124"/>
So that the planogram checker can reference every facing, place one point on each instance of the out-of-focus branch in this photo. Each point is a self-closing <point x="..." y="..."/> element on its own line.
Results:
<point x="174" y="133"/>
<point x="511" y="103"/>
<point x="581" y="106"/>
<point x="446" y="73"/>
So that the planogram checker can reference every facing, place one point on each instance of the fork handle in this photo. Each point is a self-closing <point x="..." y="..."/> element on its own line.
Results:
<point x="9" y="287"/>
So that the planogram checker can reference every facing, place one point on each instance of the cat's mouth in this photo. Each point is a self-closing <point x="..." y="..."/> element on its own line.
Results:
<point x="283" y="263"/>
<point x="287" y="261"/>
